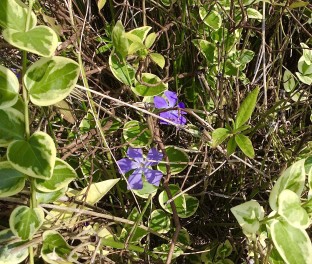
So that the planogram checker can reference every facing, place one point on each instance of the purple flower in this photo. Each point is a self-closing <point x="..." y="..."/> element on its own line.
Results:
<point x="140" y="166"/>
<point x="175" y="116"/>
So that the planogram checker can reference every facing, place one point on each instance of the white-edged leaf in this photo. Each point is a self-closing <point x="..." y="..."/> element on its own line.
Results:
<point x="290" y="209"/>
<point x="13" y="14"/>
<point x="303" y="67"/>
<point x="292" y="178"/>
<point x="123" y="73"/>
<point x="212" y="19"/>
<point x="246" y="108"/>
<point x="307" y="53"/>
<point x="293" y="244"/>
<point x="40" y="40"/>
<point x="62" y="175"/>
<point x="138" y="34"/>
<point x="101" y="4"/>
<point x="120" y="41"/>
<point x="25" y="221"/>
<point x="50" y="80"/>
<point x="35" y="157"/>
<point x="9" y="87"/>
<point x="307" y="79"/>
<point x="160" y="221"/>
<point x="150" y="39"/>
<point x="248" y="216"/>
<point x="253" y="13"/>
<point x="11" y="180"/>
<point x="13" y="253"/>
<point x="145" y="90"/>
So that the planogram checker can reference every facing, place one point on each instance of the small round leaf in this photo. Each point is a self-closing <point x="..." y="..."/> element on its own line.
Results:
<point x="145" y="90"/>
<point x="137" y="134"/>
<point x="160" y="221"/>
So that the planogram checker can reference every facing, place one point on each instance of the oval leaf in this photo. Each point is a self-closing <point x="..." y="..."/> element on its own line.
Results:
<point x="158" y="59"/>
<point x="246" y="108"/>
<point x="9" y="87"/>
<point x="178" y="160"/>
<point x="253" y="13"/>
<point x="213" y="19"/>
<point x="50" y="197"/>
<point x="137" y="134"/>
<point x="290" y="209"/>
<point x="62" y="175"/>
<point x="11" y="180"/>
<point x="245" y="144"/>
<point x="218" y="136"/>
<point x="160" y="221"/>
<point x="248" y="216"/>
<point x="25" y="221"/>
<point x="54" y="248"/>
<point x="12" y="125"/>
<point x="144" y="90"/>
<point x="292" y="178"/>
<point x="186" y="205"/>
<point x="50" y="80"/>
<point x="293" y="244"/>
<point x="101" y="4"/>
<point x="289" y="81"/>
<point x="123" y="73"/>
<point x="35" y="157"/>
<point x="13" y="253"/>
<point x="120" y="40"/>
<point x="40" y="40"/>
<point x="13" y="14"/>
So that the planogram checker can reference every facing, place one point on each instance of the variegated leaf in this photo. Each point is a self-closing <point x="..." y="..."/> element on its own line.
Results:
<point x="25" y="221"/>
<point x="40" y="40"/>
<point x="50" y="80"/>
<point x="13" y="14"/>
<point x="35" y="157"/>
<point x="9" y="87"/>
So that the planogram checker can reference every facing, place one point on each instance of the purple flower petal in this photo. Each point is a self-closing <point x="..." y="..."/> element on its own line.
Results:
<point x="166" y="115"/>
<point x="172" y="98"/>
<point x="135" y="180"/>
<point x="160" y="102"/>
<point x="126" y="165"/>
<point x="136" y="154"/>
<point x="153" y="176"/>
<point x="155" y="155"/>
<point x="181" y="105"/>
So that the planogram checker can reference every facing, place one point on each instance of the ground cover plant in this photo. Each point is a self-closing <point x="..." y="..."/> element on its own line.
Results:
<point x="155" y="131"/>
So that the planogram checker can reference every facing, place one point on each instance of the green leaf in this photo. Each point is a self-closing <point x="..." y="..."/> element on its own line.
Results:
<point x="150" y="39"/>
<point x="303" y="67"/>
<point x="62" y="175"/>
<point x="50" y="197"/>
<point x="218" y="136"/>
<point x="160" y="221"/>
<point x="12" y="124"/>
<point x="245" y="56"/>
<point x="290" y="209"/>
<point x="134" y="47"/>
<point x="13" y="253"/>
<point x="178" y="160"/>
<point x="289" y="81"/>
<point x="96" y="191"/>
<point x="101" y="4"/>
<point x="158" y="59"/>
<point x="13" y="15"/>
<point x="162" y="251"/>
<point x="207" y="48"/>
<point x="186" y="205"/>
<point x="253" y="13"/>
<point x="144" y="90"/>
<point x="25" y="221"/>
<point x="137" y="134"/>
<point x="298" y="4"/>
<point x="148" y="189"/>
<point x="224" y="250"/>
<point x="245" y="144"/>
<point x="307" y="53"/>
<point x="213" y="19"/>
<point x="248" y="216"/>
<point x="11" y="180"/>
<point x="123" y="73"/>
<point x="35" y="157"/>
<point x="246" y="108"/>
<point x="55" y="249"/>
<point x="231" y="146"/>
<point x="9" y="87"/>
<point x="120" y="41"/>
<point x="6" y="235"/>
<point x="307" y="79"/>
<point x="50" y="80"/>
<point x="293" y="244"/>
<point x="292" y="178"/>
<point x="40" y="40"/>
<point x="138" y="34"/>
